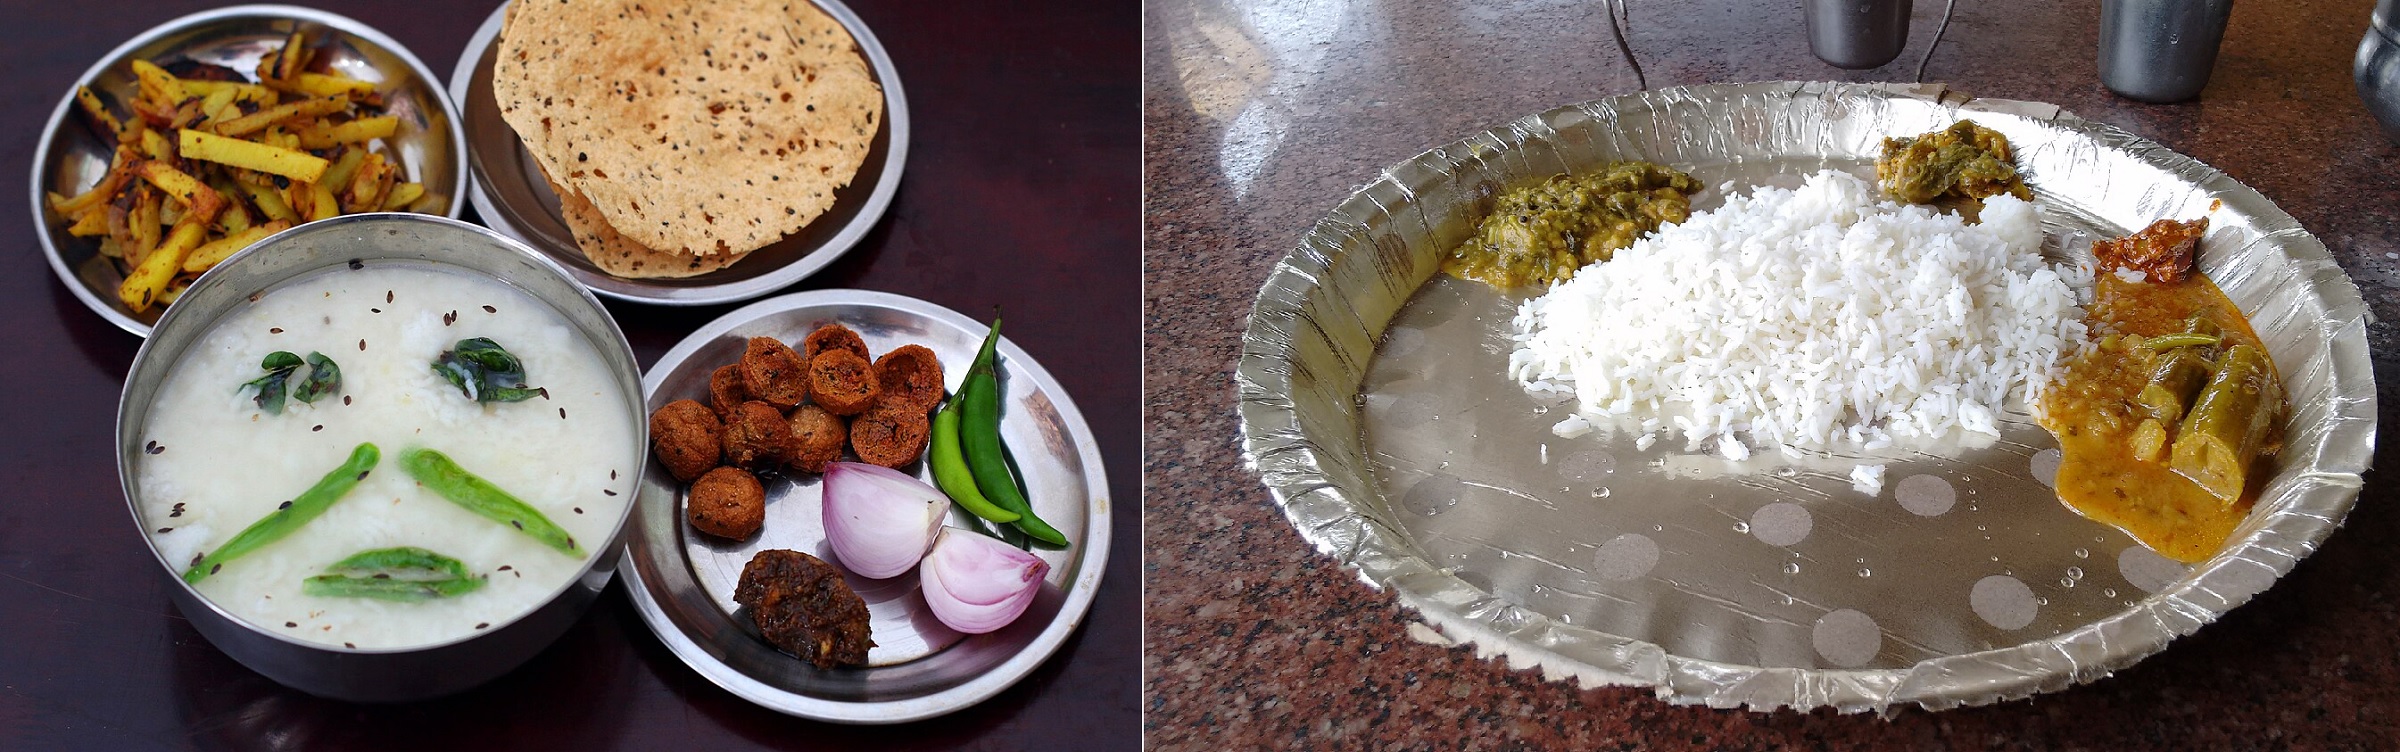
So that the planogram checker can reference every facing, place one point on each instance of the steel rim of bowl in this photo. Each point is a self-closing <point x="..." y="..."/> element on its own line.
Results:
<point x="1078" y="598"/>
<point x="878" y="201"/>
<point x="66" y="104"/>
<point x="128" y="486"/>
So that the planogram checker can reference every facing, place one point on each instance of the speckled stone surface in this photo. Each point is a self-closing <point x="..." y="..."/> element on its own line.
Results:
<point x="1261" y="116"/>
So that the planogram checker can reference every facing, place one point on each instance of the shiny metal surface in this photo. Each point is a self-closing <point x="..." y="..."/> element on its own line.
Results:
<point x="1373" y="407"/>
<point x="512" y="196"/>
<point x="2377" y="68"/>
<point x="683" y="582"/>
<point x="1857" y="34"/>
<point x="2160" y="50"/>
<point x="383" y="238"/>
<point x="70" y="160"/>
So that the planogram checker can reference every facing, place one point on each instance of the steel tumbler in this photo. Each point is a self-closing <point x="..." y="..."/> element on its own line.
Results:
<point x="2160" y="50"/>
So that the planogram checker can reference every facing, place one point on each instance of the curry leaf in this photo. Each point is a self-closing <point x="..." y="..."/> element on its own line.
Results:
<point x="324" y="379"/>
<point x="485" y="372"/>
<point x="271" y="387"/>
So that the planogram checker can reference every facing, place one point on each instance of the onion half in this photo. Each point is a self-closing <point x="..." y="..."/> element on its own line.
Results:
<point x="879" y="520"/>
<point x="977" y="584"/>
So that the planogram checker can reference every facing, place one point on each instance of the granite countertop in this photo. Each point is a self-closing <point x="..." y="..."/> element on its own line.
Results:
<point x="1261" y="116"/>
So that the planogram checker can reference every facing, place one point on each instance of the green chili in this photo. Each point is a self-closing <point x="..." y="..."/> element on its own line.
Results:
<point x="950" y="471"/>
<point x="292" y="515"/>
<point x="436" y="472"/>
<point x="2180" y="339"/>
<point x="407" y="574"/>
<point x="395" y="589"/>
<point x="979" y="436"/>
<point x="402" y="563"/>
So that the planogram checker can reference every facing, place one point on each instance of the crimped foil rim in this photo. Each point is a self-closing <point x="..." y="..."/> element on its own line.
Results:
<point x="1315" y="485"/>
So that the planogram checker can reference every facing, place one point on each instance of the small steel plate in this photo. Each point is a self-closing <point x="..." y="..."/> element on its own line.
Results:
<point x="512" y="197"/>
<point x="1375" y="405"/>
<point x="683" y="581"/>
<point x="70" y="159"/>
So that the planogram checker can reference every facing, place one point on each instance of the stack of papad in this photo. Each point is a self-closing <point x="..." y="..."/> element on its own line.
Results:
<point x="680" y="136"/>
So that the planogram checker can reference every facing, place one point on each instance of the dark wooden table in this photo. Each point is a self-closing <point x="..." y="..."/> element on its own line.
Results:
<point x="1022" y="191"/>
<point x="1262" y="116"/>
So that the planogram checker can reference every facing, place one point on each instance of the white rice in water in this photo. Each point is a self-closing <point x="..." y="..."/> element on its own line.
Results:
<point x="1808" y="319"/>
<point x="227" y="464"/>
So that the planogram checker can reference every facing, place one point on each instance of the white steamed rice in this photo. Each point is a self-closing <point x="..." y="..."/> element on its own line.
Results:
<point x="1809" y="319"/>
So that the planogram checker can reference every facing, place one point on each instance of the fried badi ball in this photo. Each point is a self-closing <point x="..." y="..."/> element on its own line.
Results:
<point x="911" y="377"/>
<point x="728" y="502"/>
<point x="773" y="374"/>
<point x="833" y="337"/>
<point x="688" y="438"/>
<point x="820" y="437"/>
<point x="725" y="389"/>
<point x="890" y="435"/>
<point x="756" y="436"/>
<point x="842" y="382"/>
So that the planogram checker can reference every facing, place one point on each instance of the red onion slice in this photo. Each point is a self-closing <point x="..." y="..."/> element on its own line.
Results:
<point x="977" y="584"/>
<point x="880" y="521"/>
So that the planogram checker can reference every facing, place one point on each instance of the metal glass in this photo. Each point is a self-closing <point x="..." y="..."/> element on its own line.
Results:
<point x="376" y="675"/>
<point x="70" y="159"/>
<point x="1856" y="34"/>
<point x="2377" y="67"/>
<point x="683" y="582"/>
<point x="2160" y="50"/>
<point x="512" y="196"/>
<point x="1374" y="407"/>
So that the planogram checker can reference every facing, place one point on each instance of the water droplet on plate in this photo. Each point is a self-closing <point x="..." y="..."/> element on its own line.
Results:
<point x="2075" y="573"/>
<point x="2108" y="592"/>
<point x="2083" y="553"/>
<point x="1600" y="493"/>
<point x="1741" y="527"/>
<point x="1791" y="567"/>
<point x="1865" y="572"/>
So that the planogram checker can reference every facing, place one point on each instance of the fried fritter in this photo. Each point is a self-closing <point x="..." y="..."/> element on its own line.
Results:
<point x="756" y="436"/>
<point x="728" y="502"/>
<point x="820" y="436"/>
<point x="772" y="373"/>
<point x="2164" y="251"/>
<point x="802" y="606"/>
<point x="911" y="377"/>
<point x="842" y="382"/>
<point x="890" y="435"/>
<point x="688" y="437"/>
<point x="833" y="337"/>
<point x="725" y="390"/>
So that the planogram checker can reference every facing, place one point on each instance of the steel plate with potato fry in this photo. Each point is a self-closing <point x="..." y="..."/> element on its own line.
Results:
<point x="213" y="131"/>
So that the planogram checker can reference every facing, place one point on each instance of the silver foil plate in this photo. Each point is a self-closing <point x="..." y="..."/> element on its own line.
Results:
<point x="1375" y="406"/>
